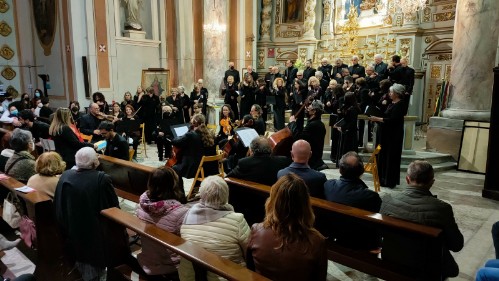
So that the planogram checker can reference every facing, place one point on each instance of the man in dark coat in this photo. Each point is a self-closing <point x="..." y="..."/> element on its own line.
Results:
<point x="380" y="67"/>
<point x="260" y="167"/>
<point x="395" y="70"/>
<point x="356" y="70"/>
<point x="313" y="133"/>
<point x="290" y="75"/>
<point x="337" y="68"/>
<point x="417" y="204"/>
<point x="79" y="197"/>
<point x="350" y="190"/>
<point x="300" y="153"/>
<point x="89" y="123"/>
<point x="232" y="71"/>
<point x="309" y="71"/>
<point x="326" y="69"/>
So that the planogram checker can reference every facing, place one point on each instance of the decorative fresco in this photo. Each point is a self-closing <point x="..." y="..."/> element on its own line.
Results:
<point x="370" y="12"/>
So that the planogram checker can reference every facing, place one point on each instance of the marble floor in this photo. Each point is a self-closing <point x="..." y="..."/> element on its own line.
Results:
<point x="474" y="214"/>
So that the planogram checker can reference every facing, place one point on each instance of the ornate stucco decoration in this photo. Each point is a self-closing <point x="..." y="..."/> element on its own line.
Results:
<point x="8" y="73"/>
<point x="4" y="6"/>
<point x="5" y="29"/>
<point x="6" y="52"/>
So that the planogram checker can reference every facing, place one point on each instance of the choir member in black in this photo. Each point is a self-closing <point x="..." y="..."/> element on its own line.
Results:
<point x="348" y="84"/>
<point x="232" y="71"/>
<point x="313" y="133"/>
<point x="76" y="114"/>
<point x="205" y="94"/>
<point x="391" y="136"/>
<point x="326" y="69"/>
<point x="148" y="103"/>
<point x="273" y="75"/>
<point x="164" y="134"/>
<point x="334" y="105"/>
<point x="199" y="96"/>
<point x="99" y="99"/>
<point x="117" y="113"/>
<point x="127" y="99"/>
<point x="186" y="104"/>
<point x="226" y="125"/>
<point x="395" y="70"/>
<point x="362" y="94"/>
<point x="289" y="76"/>
<point x="194" y="144"/>
<point x="230" y="94"/>
<point x="328" y="97"/>
<point x="407" y="81"/>
<point x="337" y="69"/>
<point x="298" y="96"/>
<point x="280" y="103"/>
<point x="356" y="70"/>
<point x="309" y="71"/>
<point x="247" y="88"/>
<point x="176" y="104"/>
<point x="341" y="78"/>
<point x="314" y="88"/>
<point x="259" y="124"/>
<point x="323" y="82"/>
<point x="129" y="126"/>
<point x="138" y="95"/>
<point x="372" y="79"/>
<point x="379" y="67"/>
<point x="347" y="125"/>
<point x="251" y="72"/>
<point x="383" y="97"/>
<point x="261" y="94"/>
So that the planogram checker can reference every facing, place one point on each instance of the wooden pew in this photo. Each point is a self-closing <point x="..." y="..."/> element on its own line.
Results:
<point x="249" y="198"/>
<point x="190" y="251"/>
<point x="129" y="178"/>
<point x="50" y="264"/>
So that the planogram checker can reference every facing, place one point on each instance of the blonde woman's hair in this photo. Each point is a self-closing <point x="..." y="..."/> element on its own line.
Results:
<point x="278" y="79"/>
<point x="62" y="117"/>
<point x="50" y="164"/>
<point x="313" y="80"/>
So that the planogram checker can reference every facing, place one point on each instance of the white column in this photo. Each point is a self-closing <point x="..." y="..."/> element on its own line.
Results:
<point x="308" y="27"/>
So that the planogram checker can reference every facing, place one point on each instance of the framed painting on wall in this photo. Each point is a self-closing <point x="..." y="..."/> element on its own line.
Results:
<point x="158" y="79"/>
<point x="293" y="11"/>
<point x="45" y="21"/>
<point x="370" y="12"/>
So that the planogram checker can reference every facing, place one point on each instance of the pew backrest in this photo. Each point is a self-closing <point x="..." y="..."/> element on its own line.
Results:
<point x="419" y="240"/>
<point x="190" y="251"/>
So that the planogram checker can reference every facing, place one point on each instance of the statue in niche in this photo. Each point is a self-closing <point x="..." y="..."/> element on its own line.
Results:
<point x="132" y="11"/>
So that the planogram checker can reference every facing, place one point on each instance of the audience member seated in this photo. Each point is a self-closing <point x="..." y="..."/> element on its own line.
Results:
<point x="213" y="225"/>
<point x="7" y="152"/>
<point x="49" y="166"/>
<point x="417" y="204"/>
<point x="21" y="165"/>
<point x="65" y="140"/>
<point x="490" y="271"/>
<point x="79" y="197"/>
<point x="74" y="106"/>
<point x="300" y="153"/>
<point x="260" y="167"/>
<point x="350" y="190"/>
<point x="495" y="238"/>
<point x="37" y="128"/>
<point x="10" y="116"/>
<point x="161" y="205"/>
<point x="286" y="246"/>
<point x="89" y="123"/>
<point x="194" y="144"/>
<point x="45" y="111"/>
<point x="116" y="146"/>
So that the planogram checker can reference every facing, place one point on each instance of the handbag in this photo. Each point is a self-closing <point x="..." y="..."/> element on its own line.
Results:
<point x="10" y="213"/>
<point x="28" y="232"/>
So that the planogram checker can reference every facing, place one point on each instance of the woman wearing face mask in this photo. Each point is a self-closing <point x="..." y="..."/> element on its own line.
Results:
<point x="25" y="101"/>
<point x="36" y="97"/>
<point x="38" y="107"/>
<point x="74" y="106"/>
<point x="10" y="116"/>
<point x="21" y="165"/>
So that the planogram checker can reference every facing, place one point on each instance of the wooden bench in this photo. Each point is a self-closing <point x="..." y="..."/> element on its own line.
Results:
<point x="50" y="264"/>
<point x="129" y="178"/>
<point x="405" y="238"/>
<point x="190" y="251"/>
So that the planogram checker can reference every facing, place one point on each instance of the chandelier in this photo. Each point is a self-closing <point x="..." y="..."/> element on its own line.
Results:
<point x="409" y="7"/>
<point x="214" y="28"/>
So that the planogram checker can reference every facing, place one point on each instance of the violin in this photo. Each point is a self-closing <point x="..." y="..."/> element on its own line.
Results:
<point x="226" y="125"/>
<point x="102" y="116"/>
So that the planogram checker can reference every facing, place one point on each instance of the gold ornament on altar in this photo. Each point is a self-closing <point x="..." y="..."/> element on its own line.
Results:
<point x="351" y="29"/>
<point x="6" y="52"/>
<point x="4" y="6"/>
<point x="409" y="7"/>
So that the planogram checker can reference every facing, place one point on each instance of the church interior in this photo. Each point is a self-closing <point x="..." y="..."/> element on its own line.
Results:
<point x="72" y="49"/>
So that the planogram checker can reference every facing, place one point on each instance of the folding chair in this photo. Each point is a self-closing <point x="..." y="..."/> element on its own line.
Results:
<point x="87" y="138"/>
<point x="143" y="139"/>
<point x="371" y="167"/>
<point x="219" y="157"/>
<point x="131" y="152"/>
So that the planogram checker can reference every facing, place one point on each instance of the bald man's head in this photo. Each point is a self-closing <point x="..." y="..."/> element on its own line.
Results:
<point x="301" y="152"/>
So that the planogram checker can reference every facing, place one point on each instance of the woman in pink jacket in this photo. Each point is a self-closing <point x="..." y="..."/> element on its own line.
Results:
<point x="162" y="205"/>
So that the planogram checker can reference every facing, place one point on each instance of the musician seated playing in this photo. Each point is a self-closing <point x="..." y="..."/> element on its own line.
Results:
<point x="194" y="144"/>
<point x="163" y="132"/>
<point x="117" y="146"/>
<point x="234" y="148"/>
<point x="129" y="127"/>
<point x="226" y="125"/>
<point x="90" y="122"/>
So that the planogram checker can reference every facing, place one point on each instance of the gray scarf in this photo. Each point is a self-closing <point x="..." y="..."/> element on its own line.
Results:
<point x="201" y="214"/>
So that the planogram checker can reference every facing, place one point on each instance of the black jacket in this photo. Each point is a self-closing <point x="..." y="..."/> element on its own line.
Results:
<point x="191" y="146"/>
<point x="117" y="148"/>
<point x="260" y="168"/>
<point x="314" y="134"/>
<point x="89" y="123"/>
<point x="67" y="144"/>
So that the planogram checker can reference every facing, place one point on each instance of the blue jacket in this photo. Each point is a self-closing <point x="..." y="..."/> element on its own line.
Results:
<point x="352" y="192"/>
<point x="315" y="180"/>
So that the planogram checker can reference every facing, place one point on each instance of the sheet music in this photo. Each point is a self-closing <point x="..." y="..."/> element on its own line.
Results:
<point x="246" y="135"/>
<point x="180" y="130"/>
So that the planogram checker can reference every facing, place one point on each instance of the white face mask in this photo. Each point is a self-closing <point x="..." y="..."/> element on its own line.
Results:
<point x="31" y="146"/>
<point x="40" y="105"/>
